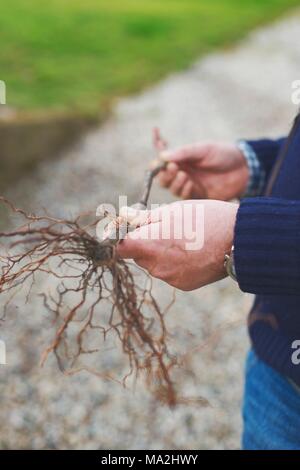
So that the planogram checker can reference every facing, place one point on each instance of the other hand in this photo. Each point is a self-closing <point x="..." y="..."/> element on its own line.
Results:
<point x="205" y="171"/>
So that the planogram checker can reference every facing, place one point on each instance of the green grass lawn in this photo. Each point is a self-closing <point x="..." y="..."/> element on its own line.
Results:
<point x="81" y="54"/>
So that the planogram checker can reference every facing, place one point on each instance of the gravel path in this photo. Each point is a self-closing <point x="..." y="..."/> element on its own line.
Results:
<point x="241" y="92"/>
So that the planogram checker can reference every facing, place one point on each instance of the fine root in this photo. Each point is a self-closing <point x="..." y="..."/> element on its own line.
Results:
<point x="97" y="295"/>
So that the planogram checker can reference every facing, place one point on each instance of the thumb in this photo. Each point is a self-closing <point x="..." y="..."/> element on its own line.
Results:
<point x="138" y="218"/>
<point x="186" y="153"/>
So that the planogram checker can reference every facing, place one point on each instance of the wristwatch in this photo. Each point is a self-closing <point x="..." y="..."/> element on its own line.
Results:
<point x="229" y="264"/>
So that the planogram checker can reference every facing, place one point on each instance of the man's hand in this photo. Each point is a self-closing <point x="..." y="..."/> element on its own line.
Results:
<point x="206" y="171"/>
<point x="183" y="261"/>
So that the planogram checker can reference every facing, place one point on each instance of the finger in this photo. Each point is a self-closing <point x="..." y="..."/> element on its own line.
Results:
<point x="134" y="217"/>
<point x="187" y="190"/>
<point x="189" y="152"/>
<point x="109" y="231"/>
<point x="140" y="243"/>
<point x="178" y="183"/>
<point x="139" y="218"/>
<point x="166" y="176"/>
<point x="112" y="228"/>
<point x="130" y="249"/>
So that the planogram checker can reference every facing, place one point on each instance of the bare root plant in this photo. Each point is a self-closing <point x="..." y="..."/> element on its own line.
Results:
<point x="91" y="277"/>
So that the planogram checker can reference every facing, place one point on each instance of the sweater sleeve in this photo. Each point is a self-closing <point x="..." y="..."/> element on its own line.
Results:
<point x="267" y="151"/>
<point x="267" y="246"/>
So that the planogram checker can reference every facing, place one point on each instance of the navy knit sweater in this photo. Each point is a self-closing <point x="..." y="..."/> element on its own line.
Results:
<point x="267" y="257"/>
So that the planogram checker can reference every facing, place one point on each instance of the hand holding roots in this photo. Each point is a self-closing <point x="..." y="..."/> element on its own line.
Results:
<point x="96" y="291"/>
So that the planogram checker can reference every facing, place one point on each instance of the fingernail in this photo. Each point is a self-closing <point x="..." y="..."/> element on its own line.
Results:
<point x="165" y="155"/>
<point x="131" y="211"/>
<point x="128" y="212"/>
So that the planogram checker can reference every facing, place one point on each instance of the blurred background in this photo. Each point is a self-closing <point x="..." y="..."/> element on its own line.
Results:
<point x="86" y="82"/>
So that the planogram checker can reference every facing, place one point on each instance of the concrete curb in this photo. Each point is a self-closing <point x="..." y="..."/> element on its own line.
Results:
<point x="28" y="138"/>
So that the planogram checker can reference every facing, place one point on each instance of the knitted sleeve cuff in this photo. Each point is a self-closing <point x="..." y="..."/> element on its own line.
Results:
<point x="267" y="246"/>
<point x="257" y="174"/>
<point x="267" y="151"/>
